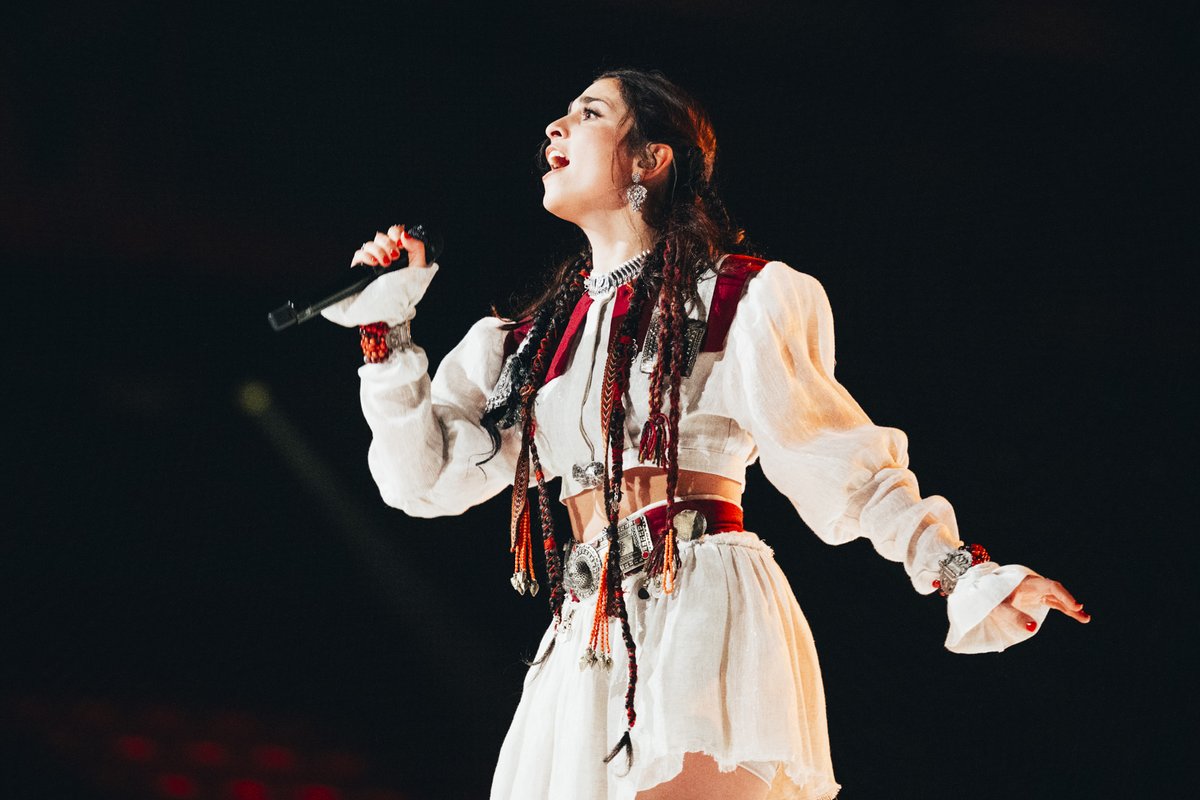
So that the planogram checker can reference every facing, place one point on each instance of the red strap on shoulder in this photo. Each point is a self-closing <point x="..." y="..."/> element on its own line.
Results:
<point x="736" y="272"/>
<point x="516" y="336"/>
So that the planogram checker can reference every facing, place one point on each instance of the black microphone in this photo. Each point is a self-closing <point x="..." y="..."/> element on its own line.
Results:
<point x="294" y="312"/>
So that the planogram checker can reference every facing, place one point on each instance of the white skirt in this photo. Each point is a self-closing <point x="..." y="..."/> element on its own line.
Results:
<point x="726" y="667"/>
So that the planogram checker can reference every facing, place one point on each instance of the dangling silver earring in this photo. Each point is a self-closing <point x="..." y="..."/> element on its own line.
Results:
<point x="636" y="193"/>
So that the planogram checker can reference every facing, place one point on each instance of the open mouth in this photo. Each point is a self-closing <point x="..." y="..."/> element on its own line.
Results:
<point x="556" y="159"/>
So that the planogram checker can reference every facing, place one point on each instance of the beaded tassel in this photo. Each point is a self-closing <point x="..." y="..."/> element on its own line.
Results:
<point x="599" y="649"/>
<point x="520" y="543"/>
<point x="669" y="562"/>
<point x="664" y="561"/>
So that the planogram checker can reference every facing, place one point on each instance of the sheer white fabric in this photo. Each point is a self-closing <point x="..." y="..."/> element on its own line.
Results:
<point x="726" y="666"/>
<point x="770" y="395"/>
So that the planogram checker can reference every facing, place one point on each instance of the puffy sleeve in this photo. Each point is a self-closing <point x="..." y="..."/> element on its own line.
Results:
<point x="847" y="477"/>
<point x="427" y="444"/>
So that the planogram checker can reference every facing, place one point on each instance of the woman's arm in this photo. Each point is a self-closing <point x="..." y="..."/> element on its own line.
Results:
<point x="847" y="477"/>
<point x="427" y="444"/>
<point x="428" y="449"/>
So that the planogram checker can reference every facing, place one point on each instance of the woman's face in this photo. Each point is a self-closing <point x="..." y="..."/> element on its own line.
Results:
<point x="589" y="168"/>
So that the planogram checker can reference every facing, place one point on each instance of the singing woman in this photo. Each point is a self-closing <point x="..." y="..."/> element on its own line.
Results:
<point x="659" y="363"/>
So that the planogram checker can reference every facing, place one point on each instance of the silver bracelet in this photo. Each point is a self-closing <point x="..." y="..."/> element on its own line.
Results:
<point x="399" y="337"/>
<point x="955" y="565"/>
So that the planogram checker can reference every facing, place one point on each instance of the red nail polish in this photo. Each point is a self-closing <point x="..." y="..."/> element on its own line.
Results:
<point x="1031" y="625"/>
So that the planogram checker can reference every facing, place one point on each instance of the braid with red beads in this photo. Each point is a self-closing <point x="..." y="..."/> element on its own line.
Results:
<point x="619" y="363"/>
<point x="653" y="443"/>
<point x="549" y="543"/>
<point x="661" y="433"/>
<point x="678" y="324"/>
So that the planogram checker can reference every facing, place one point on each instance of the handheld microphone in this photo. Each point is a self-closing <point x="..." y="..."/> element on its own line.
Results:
<point x="294" y="312"/>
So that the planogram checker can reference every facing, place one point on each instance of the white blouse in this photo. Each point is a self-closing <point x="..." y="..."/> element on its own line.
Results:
<point x="770" y="396"/>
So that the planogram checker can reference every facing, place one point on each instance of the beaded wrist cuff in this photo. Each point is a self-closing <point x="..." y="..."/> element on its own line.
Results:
<point x="955" y="565"/>
<point x="379" y="340"/>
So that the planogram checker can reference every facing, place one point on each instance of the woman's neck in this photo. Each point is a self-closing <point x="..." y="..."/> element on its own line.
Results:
<point x="613" y="247"/>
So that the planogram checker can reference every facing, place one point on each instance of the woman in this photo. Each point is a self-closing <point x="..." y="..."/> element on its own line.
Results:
<point x="657" y="365"/>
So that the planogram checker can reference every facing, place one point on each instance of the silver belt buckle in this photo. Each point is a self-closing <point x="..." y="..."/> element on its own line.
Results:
<point x="633" y="537"/>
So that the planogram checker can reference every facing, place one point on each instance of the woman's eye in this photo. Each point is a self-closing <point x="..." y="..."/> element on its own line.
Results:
<point x="588" y="113"/>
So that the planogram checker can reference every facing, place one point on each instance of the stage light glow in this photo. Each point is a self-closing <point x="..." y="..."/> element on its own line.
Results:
<point x="206" y="753"/>
<point x="274" y="757"/>
<point x="136" y="748"/>
<point x="176" y="785"/>
<point x="246" y="789"/>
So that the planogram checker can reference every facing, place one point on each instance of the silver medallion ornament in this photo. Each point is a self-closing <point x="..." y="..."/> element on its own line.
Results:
<point x="588" y="475"/>
<point x="581" y="575"/>
<point x="689" y="524"/>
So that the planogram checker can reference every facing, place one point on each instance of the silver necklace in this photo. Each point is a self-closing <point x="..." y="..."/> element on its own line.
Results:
<point x="600" y="285"/>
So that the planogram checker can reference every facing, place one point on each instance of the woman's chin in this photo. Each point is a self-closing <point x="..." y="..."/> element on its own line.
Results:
<point x="556" y="207"/>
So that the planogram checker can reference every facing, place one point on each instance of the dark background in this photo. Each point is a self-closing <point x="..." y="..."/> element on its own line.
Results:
<point x="997" y="197"/>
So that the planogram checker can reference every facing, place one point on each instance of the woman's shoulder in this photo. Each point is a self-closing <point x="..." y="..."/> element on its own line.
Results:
<point x="772" y="288"/>
<point x="487" y="335"/>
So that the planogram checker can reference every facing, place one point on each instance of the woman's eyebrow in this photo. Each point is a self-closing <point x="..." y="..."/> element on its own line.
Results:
<point x="587" y="99"/>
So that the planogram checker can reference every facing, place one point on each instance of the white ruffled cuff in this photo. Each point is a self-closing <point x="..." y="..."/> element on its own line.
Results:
<point x="973" y="627"/>
<point x="390" y="298"/>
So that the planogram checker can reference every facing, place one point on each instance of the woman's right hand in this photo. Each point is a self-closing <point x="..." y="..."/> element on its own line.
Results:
<point x="393" y="296"/>
<point x="385" y="248"/>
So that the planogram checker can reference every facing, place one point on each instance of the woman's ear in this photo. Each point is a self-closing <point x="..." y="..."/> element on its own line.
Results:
<point x="655" y="161"/>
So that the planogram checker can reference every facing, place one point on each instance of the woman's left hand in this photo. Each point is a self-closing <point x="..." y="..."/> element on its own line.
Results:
<point x="1035" y="591"/>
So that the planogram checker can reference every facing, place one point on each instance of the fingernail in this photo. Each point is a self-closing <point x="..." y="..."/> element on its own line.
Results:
<point x="1031" y="625"/>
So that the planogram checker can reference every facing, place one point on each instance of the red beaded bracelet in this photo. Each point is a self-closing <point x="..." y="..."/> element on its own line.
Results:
<point x="955" y="565"/>
<point x="379" y="340"/>
<point x="373" y="338"/>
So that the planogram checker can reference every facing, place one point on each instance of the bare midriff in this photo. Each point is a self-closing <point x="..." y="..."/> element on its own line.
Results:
<point x="642" y="487"/>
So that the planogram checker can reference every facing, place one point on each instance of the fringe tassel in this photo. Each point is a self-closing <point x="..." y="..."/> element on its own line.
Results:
<point x="653" y="445"/>
<point x="522" y="549"/>
<point x="519" y="538"/>
<point x="599" y="650"/>
<point x="626" y="744"/>
<point x="664" y="561"/>
<point x="670" y="562"/>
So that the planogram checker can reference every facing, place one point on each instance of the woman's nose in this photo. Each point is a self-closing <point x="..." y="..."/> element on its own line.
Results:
<point x="556" y="129"/>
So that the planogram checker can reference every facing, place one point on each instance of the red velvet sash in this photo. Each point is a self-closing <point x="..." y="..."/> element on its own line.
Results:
<point x="736" y="271"/>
